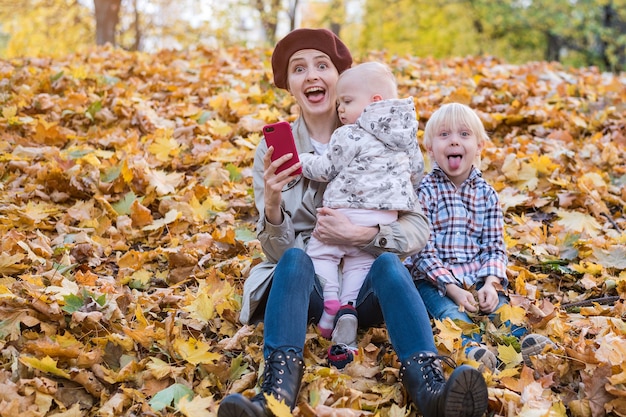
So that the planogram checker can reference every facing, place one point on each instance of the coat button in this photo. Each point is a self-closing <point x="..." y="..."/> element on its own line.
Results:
<point x="382" y="242"/>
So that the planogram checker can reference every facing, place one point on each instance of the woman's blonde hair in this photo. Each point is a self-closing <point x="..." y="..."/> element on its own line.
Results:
<point x="453" y="115"/>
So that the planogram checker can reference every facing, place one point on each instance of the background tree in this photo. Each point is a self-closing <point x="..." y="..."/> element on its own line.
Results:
<point x="107" y="14"/>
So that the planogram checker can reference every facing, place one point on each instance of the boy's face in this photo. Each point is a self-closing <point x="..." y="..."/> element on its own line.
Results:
<point x="352" y="98"/>
<point x="455" y="149"/>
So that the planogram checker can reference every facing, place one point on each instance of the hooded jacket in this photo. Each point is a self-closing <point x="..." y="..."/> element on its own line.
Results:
<point x="372" y="164"/>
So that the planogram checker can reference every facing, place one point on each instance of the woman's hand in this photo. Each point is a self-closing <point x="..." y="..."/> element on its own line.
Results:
<point x="334" y="228"/>
<point x="462" y="297"/>
<point x="274" y="184"/>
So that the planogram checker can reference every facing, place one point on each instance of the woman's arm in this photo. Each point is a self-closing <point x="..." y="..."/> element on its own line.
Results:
<point x="407" y="235"/>
<point x="275" y="229"/>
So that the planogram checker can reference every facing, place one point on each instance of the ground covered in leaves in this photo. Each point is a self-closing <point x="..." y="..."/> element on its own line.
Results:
<point x="127" y="230"/>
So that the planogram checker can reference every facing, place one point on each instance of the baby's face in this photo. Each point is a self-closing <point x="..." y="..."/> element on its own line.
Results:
<point x="455" y="148"/>
<point x="352" y="98"/>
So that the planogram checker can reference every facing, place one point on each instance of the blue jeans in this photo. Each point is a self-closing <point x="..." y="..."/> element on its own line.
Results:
<point x="444" y="307"/>
<point x="388" y="296"/>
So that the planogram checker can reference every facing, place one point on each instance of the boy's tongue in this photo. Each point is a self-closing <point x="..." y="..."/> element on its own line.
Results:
<point x="454" y="162"/>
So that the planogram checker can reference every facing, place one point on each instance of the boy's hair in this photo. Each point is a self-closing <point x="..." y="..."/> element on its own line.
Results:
<point x="375" y="77"/>
<point x="451" y="115"/>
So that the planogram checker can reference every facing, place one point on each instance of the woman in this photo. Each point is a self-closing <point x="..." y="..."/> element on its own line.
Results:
<point x="307" y="62"/>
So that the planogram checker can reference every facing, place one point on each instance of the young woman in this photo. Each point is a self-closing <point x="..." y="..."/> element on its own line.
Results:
<point x="285" y="293"/>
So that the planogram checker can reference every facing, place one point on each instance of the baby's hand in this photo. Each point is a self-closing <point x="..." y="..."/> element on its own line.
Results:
<point x="462" y="298"/>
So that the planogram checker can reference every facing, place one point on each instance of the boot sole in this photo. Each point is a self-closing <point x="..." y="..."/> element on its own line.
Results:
<point x="236" y="405"/>
<point x="467" y="394"/>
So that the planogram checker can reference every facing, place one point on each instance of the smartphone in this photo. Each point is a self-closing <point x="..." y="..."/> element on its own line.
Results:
<point x="280" y="137"/>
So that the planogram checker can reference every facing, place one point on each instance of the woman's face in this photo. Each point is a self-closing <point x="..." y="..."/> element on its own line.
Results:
<point x="311" y="79"/>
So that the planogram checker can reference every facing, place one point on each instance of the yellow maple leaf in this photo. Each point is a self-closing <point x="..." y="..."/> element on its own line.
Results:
<point x="127" y="173"/>
<point x="202" y="308"/>
<point x="585" y="267"/>
<point x="46" y="364"/>
<point x="34" y="213"/>
<point x="542" y="164"/>
<point x="161" y="369"/>
<point x="578" y="222"/>
<point x="279" y="409"/>
<point x="220" y="129"/>
<point x="513" y="314"/>
<point x="200" y="212"/>
<point x="9" y="264"/>
<point x="198" y="407"/>
<point x="270" y="115"/>
<point x="165" y="183"/>
<point x="509" y="356"/>
<point x="510" y="197"/>
<point x="195" y="351"/>
<point x="527" y="177"/>
<point x="164" y="146"/>
<point x="9" y="112"/>
<point x="170" y="217"/>
<point x="449" y="334"/>
<point x="5" y="292"/>
<point x="524" y="174"/>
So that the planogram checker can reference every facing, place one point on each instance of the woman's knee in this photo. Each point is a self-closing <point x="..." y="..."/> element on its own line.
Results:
<point x="295" y="266"/>
<point x="388" y="271"/>
<point x="292" y="255"/>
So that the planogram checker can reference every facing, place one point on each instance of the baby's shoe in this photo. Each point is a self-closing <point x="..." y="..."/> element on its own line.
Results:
<point x="344" y="336"/>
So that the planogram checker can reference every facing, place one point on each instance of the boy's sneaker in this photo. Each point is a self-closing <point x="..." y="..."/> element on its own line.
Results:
<point x="483" y="356"/>
<point x="534" y="344"/>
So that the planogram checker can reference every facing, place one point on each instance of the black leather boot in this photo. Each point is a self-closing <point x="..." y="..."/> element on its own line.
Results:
<point x="281" y="379"/>
<point x="463" y="395"/>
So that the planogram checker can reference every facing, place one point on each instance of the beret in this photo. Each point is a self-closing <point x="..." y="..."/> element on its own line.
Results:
<point x="320" y="39"/>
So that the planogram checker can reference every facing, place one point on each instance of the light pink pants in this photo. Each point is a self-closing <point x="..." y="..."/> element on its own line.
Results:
<point x="355" y="263"/>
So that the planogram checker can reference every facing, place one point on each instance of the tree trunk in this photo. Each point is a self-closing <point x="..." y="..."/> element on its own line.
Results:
<point x="107" y="17"/>
<point x="553" y="47"/>
<point x="614" y="60"/>
<point x="138" y="32"/>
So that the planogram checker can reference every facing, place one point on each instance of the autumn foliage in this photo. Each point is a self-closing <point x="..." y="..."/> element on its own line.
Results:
<point x="127" y="230"/>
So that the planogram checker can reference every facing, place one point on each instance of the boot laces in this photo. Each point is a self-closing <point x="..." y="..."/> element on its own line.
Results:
<point x="275" y="367"/>
<point x="432" y="371"/>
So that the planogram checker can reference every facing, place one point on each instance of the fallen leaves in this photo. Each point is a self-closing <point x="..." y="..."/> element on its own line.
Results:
<point x="127" y="223"/>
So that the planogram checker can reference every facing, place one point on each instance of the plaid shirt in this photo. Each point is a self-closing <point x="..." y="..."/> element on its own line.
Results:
<point x="466" y="243"/>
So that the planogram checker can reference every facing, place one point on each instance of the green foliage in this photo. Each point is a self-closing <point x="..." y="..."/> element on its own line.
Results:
<point x="578" y="33"/>
<point x="169" y="395"/>
<point x="45" y="27"/>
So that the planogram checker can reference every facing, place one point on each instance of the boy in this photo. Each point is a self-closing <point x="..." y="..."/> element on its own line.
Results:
<point x="466" y="246"/>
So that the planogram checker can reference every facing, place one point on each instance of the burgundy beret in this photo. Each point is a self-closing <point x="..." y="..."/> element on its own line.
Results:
<point x="320" y="39"/>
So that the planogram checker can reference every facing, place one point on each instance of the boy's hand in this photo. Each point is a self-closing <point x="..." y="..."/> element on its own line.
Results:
<point x="462" y="298"/>
<point x="488" y="295"/>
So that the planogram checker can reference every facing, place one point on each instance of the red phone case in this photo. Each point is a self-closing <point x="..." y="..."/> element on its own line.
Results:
<point x="280" y="137"/>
